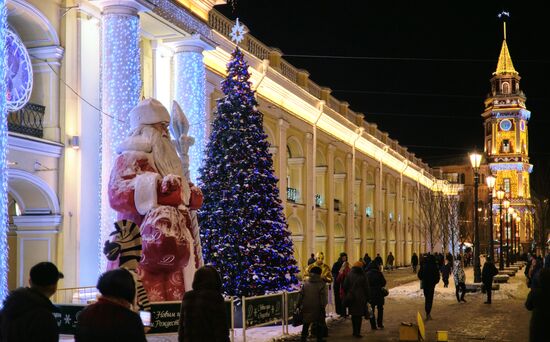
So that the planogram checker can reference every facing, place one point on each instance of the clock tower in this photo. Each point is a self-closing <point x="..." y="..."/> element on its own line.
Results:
<point x="507" y="145"/>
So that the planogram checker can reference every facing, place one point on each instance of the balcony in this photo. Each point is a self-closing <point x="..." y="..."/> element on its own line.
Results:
<point x="28" y="120"/>
<point x="292" y="195"/>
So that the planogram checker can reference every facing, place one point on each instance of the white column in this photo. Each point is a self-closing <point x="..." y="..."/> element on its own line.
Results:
<point x="120" y="88"/>
<point x="190" y="93"/>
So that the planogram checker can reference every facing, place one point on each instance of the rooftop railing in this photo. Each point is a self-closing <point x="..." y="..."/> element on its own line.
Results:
<point x="28" y="120"/>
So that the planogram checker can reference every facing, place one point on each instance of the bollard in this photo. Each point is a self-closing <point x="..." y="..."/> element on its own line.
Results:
<point x="442" y="336"/>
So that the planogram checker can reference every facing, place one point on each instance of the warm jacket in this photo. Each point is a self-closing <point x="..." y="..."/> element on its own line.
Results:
<point x="357" y="284"/>
<point x="108" y="321"/>
<point x="203" y="316"/>
<point x="429" y="272"/>
<point x="314" y="298"/>
<point x="367" y="260"/>
<point x="340" y="281"/>
<point x="414" y="260"/>
<point x="446" y="271"/>
<point x="27" y="316"/>
<point x="458" y="273"/>
<point x="390" y="259"/>
<point x="488" y="272"/>
<point x="376" y="283"/>
<point x="336" y="268"/>
<point x="538" y="301"/>
<point x="378" y="260"/>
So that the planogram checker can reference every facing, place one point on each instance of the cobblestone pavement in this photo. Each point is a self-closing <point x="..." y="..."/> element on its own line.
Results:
<point x="504" y="320"/>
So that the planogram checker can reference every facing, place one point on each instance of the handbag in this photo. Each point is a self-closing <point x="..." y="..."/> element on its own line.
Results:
<point x="298" y="313"/>
<point x="385" y="291"/>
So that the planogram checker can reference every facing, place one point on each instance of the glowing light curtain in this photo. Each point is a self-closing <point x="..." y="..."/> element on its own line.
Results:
<point x="3" y="159"/>
<point x="120" y="91"/>
<point x="190" y="92"/>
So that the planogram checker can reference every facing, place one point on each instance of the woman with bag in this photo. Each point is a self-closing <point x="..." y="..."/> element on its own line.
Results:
<point x="314" y="300"/>
<point x="356" y="288"/>
<point x="342" y="274"/>
<point x="377" y="293"/>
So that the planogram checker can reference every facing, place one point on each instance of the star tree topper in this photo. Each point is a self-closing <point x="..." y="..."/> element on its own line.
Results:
<point x="237" y="32"/>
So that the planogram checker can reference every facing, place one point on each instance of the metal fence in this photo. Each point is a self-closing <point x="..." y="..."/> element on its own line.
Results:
<point x="28" y="120"/>
<point x="76" y="295"/>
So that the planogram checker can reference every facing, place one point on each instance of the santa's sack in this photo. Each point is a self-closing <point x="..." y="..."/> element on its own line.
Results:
<point x="164" y="242"/>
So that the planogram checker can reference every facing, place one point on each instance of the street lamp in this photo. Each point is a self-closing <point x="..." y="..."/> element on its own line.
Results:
<point x="500" y="197"/>
<point x="506" y="204"/>
<point x="491" y="185"/>
<point x="518" y="220"/>
<point x="475" y="159"/>
<point x="513" y="234"/>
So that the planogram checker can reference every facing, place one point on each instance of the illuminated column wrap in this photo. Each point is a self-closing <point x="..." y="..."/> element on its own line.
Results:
<point x="3" y="159"/>
<point x="190" y="93"/>
<point x="120" y="91"/>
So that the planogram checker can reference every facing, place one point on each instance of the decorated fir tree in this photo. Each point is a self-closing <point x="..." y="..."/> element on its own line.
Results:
<point x="243" y="229"/>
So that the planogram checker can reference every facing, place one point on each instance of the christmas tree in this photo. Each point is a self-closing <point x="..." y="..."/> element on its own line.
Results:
<point x="243" y="229"/>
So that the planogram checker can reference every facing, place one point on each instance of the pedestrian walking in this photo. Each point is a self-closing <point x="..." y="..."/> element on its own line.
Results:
<point x="445" y="272"/>
<point x="538" y="301"/>
<point x="204" y="301"/>
<point x="460" y="280"/>
<point x="378" y="260"/>
<point x="534" y="272"/>
<point x="367" y="260"/>
<point x="488" y="272"/>
<point x="356" y="288"/>
<point x="414" y="261"/>
<point x="111" y="318"/>
<point x="27" y="313"/>
<point x="429" y="277"/>
<point x="376" y="299"/>
<point x="314" y="300"/>
<point x="340" y="310"/>
<point x="342" y="274"/>
<point x="311" y="259"/>
<point x="389" y="261"/>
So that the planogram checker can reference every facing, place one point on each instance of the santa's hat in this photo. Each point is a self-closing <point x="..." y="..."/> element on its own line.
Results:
<point x="148" y="112"/>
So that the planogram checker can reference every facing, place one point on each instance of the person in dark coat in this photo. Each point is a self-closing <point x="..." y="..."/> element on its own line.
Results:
<point x="314" y="300"/>
<point x="445" y="272"/>
<point x="203" y="316"/>
<point x="367" y="260"/>
<point x="28" y="314"/>
<point x="340" y="310"/>
<point x="534" y="273"/>
<point x="429" y="277"/>
<point x="414" y="261"/>
<point x="376" y="283"/>
<point x="488" y="272"/>
<point x="378" y="260"/>
<point x="111" y="318"/>
<point x="538" y="301"/>
<point x="389" y="261"/>
<point x="356" y="287"/>
<point x="311" y="259"/>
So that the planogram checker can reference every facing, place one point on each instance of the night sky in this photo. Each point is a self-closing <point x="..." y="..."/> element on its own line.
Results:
<point x="419" y="69"/>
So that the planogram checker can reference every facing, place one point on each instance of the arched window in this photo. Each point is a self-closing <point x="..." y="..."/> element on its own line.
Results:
<point x="505" y="88"/>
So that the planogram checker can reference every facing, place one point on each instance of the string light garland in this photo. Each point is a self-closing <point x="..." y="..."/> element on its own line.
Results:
<point x="190" y="93"/>
<point x="3" y="158"/>
<point x="121" y="88"/>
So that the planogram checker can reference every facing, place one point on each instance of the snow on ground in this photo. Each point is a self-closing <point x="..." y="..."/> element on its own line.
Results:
<point x="413" y="290"/>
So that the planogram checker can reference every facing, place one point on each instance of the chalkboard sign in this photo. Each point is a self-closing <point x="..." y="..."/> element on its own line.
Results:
<point x="165" y="317"/>
<point x="67" y="316"/>
<point x="292" y="300"/>
<point x="264" y="310"/>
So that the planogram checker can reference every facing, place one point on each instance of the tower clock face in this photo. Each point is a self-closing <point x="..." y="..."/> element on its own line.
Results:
<point x="505" y="125"/>
<point x="18" y="72"/>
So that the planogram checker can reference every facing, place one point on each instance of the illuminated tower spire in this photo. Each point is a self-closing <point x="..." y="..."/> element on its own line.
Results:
<point x="505" y="65"/>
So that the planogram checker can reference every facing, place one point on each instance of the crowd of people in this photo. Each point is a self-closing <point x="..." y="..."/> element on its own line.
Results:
<point x="28" y="315"/>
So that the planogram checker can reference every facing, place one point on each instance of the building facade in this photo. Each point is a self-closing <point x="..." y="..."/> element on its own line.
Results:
<point x="345" y="185"/>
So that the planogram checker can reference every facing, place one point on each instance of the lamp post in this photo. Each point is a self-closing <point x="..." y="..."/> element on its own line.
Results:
<point x="475" y="159"/>
<point x="506" y="204"/>
<point x="513" y="234"/>
<point x="518" y="221"/>
<point x="491" y="185"/>
<point x="500" y="197"/>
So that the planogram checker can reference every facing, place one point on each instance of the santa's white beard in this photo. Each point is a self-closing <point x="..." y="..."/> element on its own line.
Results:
<point x="165" y="157"/>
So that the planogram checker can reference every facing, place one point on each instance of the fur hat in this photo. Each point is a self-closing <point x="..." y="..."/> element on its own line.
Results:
<point x="148" y="112"/>
<point x="358" y="264"/>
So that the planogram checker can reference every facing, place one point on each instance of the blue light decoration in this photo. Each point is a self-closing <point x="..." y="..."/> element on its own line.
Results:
<point x="506" y="166"/>
<point x="189" y="92"/>
<point x="3" y="158"/>
<point x="244" y="232"/>
<point x="121" y="88"/>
